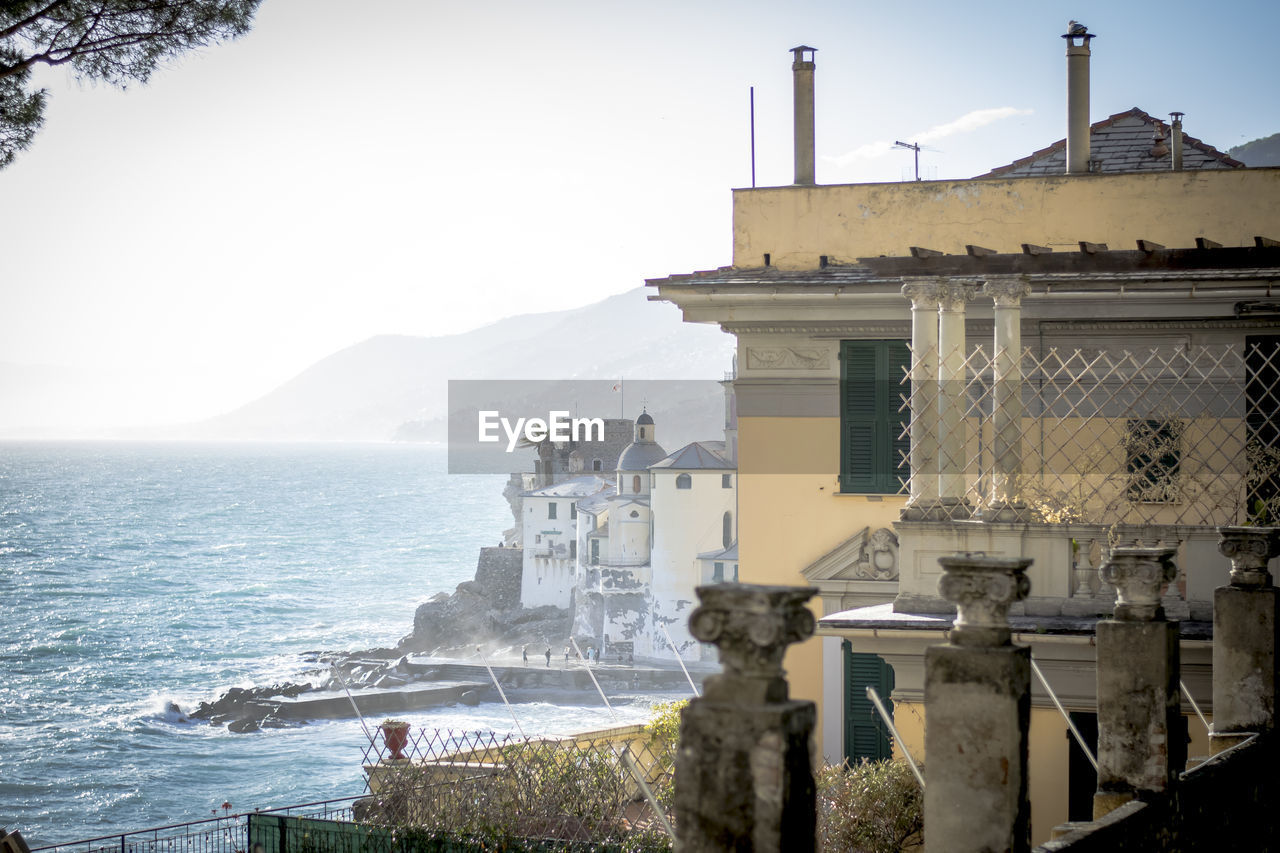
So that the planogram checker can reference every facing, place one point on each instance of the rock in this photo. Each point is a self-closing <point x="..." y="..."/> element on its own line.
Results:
<point x="471" y="697"/>
<point x="243" y="726"/>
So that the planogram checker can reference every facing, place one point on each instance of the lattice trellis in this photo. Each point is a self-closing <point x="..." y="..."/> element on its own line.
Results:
<point x="468" y="783"/>
<point x="1166" y="435"/>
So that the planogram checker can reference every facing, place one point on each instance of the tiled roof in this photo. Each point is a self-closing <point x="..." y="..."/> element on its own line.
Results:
<point x="1120" y="143"/>
<point x="575" y="488"/>
<point x="1117" y="266"/>
<point x="696" y="455"/>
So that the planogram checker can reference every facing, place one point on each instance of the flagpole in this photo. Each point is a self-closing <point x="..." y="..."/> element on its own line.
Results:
<point x="622" y="407"/>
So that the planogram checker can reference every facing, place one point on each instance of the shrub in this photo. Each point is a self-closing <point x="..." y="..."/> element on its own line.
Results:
<point x="872" y="807"/>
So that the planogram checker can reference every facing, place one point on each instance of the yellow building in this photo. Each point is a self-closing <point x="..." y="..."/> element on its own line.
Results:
<point x="882" y="421"/>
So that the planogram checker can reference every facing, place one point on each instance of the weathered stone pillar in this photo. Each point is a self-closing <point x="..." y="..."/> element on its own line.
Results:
<point x="977" y="695"/>
<point x="1006" y="413"/>
<point x="1245" y="632"/>
<point x="923" y="428"/>
<point x="744" y="770"/>
<point x="952" y="298"/>
<point x="1140" y="743"/>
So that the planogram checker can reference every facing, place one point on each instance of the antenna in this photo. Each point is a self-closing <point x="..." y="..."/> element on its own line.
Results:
<point x="911" y="146"/>
<point x="753" y="137"/>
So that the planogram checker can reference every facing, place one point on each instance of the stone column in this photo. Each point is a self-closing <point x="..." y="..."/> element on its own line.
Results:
<point x="1245" y="631"/>
<point x="977" y="694"/>
<point x="923" y="428"/>
<point x="1006" y="412"/>
<point x="952" y="298"/>
<point x="744" y="770"/>
<point x="1140" y="743"/>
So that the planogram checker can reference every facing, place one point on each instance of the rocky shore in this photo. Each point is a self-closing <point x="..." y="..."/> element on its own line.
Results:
<point x="476" y="614"/>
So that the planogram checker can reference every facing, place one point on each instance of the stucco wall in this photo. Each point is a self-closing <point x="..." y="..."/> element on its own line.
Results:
<point x="795" y="225"/>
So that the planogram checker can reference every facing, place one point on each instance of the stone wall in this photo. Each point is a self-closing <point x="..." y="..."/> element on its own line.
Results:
<point x="498" y="572"/>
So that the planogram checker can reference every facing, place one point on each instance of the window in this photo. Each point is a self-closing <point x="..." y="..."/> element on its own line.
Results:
<point x="537" y="539"/>
<point x="635" y="514"/>
<point x="551" y="510"/>
<point x="684" y="481"/>
<point x="717" y="573"/>
<point x="573" y="549"/>
<point x="573" y="510"/>
<point x="726" y="532"/>
<point x="873" y="441"/>
<point x="635" y="484"/>
<point x="597" y="465"/>
<point x="865" y="734"/>
<point x="726" y="481"/>
<point x="595" y="552"/>
<point x="1153" y="450"/>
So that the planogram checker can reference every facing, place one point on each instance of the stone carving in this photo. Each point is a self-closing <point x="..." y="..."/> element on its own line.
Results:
<point x="752" y="627"/>
<point x="787" y="358"/>
<point x="1249" y="549"/>
<point x="952" y="295"/>
<point x="923" y="292"/>
<point x="983" y="589"/>
<point x="1140" y="576"/>
<point x="879" y="560"/>
<point x="1007" y="291"/>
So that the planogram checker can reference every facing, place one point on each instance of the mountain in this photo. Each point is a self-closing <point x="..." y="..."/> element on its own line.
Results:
<point x="396" y="386"/>
<point x="1259" y="152"/>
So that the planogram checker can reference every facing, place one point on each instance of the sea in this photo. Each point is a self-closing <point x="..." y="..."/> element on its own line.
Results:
<point x="134" y="574"/>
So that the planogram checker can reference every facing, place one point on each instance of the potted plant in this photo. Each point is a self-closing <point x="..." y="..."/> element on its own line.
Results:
<point x="395" y="734"/>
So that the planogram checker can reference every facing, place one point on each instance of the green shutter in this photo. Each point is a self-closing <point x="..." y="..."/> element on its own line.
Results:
<point x="873" y="443"/>
<point x="865" y="734"/>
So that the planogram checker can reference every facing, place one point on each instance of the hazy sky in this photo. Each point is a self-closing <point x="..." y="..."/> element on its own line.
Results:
<point x="390" y="166"/>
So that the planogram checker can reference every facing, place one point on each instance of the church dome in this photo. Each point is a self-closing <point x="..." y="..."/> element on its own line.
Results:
<point x="639" y="455"/>
<point x="645" y="418"/>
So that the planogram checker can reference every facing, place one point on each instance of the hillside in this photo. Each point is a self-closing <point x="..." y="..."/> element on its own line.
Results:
<point x="1259" y="152"/>
<point x="396" y="386"/>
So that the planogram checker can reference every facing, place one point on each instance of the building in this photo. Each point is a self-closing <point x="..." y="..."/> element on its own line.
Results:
<point x="549" y="529"/>
<point x="882" y="421"/>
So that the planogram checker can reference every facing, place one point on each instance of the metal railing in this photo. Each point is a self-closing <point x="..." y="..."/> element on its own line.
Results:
<point x="225" y="834"/>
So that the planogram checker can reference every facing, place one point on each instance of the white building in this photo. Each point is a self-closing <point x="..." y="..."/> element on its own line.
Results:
<point x="549" y="523"/>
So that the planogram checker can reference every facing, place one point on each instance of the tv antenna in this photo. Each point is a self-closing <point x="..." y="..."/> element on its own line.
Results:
<point x="911" y="146"/>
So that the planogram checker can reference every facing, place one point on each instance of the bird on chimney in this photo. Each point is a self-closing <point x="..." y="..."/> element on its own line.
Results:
<point x="1076" y="28"/>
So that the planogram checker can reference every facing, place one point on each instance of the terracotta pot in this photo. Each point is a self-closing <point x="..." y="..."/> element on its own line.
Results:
<point x="395" y="736"/>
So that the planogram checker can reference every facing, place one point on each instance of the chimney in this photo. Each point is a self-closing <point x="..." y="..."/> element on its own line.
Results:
<point x="802" y="77"/>
<point x="1176" y="139"/>
<point x="1077" y="37"/>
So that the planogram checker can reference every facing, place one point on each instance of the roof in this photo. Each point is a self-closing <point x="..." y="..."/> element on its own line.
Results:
<point x="696" y="455"/>
<point x="645" y="418"/>
<point x="639" y="455"/>
<point x="1099" y="266"/>
<point x="595" y="504"/>
<point x="725" y="554"/>
<point x="1120" y="143"/>
<point x="882" y="617"/>
<point x="578" y="487"/>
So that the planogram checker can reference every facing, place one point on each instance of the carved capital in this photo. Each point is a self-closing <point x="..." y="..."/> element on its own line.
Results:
<point x="983" y="589"/>
<point x="1249" y="549"/>
<point x="923" y="292"/>
<point x="1007" y="291"/>
<point x="1140" y="576"/>
<point x="751" y="626"/>
<point x="954" y="295"/>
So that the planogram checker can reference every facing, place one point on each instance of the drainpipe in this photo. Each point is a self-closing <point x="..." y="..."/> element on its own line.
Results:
<point x="1077" y="99"/>
<point x="1176" y="139"/>
<point x="802" y="78"/>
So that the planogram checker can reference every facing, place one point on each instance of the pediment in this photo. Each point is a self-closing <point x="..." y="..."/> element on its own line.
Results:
<point x="866" y="555"/>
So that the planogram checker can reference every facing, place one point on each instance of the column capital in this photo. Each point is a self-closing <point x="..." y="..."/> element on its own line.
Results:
<point x="1007" y="290"/>
<point x="954" y="294"/>
<point x="983" y="588"/>
<point x="922" y="291"/>
<point x="1249" y="549"/>
<point x="752" y="626"/>
<point x="1140" y="576"/>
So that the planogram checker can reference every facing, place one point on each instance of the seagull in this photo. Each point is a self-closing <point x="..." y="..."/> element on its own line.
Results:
<point x="1076" y="28"/>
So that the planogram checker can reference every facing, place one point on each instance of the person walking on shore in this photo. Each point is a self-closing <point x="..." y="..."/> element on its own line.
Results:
<point x="548" y="657"/>
<point x="525" y="654"/>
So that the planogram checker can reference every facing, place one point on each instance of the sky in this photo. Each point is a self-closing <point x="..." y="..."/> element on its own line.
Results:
<point x="416" y="167"/>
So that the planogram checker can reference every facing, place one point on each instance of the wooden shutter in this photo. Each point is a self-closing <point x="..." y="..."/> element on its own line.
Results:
<point x="865" y="734"/>
<point x="873" y="443"/>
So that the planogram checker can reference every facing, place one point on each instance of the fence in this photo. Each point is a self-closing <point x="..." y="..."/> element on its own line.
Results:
<point x="226" y="834"/>
<point x="589" y="789"/>
<point x="1173" y="435"/>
